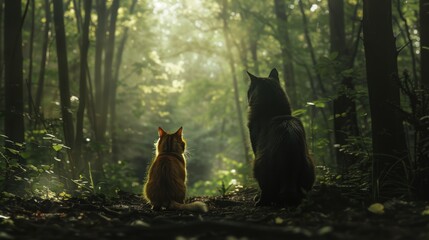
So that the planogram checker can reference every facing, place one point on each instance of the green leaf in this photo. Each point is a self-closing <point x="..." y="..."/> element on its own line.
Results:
<point x="13" y="151"/>
<point x="320" y="104"/>
<point x="7" y="195"/>
<point x="333" y="56"/>
<point x="32" y="167"/>
<point x="299" y="112"/>
<point x="57" y="147"/>
<point x="64" y="195"/>
<point x="46" y="167"/>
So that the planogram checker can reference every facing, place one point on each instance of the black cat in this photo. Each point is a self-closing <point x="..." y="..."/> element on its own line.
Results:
<point x="282" y="166"/>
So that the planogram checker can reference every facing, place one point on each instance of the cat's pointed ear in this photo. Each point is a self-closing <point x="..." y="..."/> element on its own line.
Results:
<point x="274" y="74"/>
<point x="252" y="77"/>
<point x="161" y="132"/>
<point x="179" y="131"/>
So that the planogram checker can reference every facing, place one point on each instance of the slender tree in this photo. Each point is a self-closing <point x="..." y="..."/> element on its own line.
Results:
<point x="67" y="117"/>
<point x="105" y="44"/>
<point x="254" y="30"/>
<point x="2" y="83"/>
<point x="286" y="46"/>
<point x="381" y="66"/>
<point x="115" y="79"/>
<point x="310" y="44"/>
<point x="226" y="34"/>
<point x="424" y="42"/>
<point x="100" y="39"/>
<point x="345" y="120"/>
<point x="108" y="65"/>
<point x="44" y="57"/>
<point x="83" y="91"/>
<point x="29" y="79"/>
<point x="406" y="33"/>
<point x="418" y="94"/>
<point x="319" y="84"/>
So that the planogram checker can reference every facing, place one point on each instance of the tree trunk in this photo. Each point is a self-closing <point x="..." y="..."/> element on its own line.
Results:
<point x="64" y="87"/>
<point x="14" y="98"/>
<point x="2" y="82"/>
<point x="100" y="34"/>
<point x="310" y="45"/>
<point x="406" y="33"/>
<point x="254" y="28"/>
<point x="103" y="105"/>
<point x="421" y="181"/>
<point x="77" y="151"/>
<point x="381" y="67"/>
<point x="424" y="42"/>
<point x="44" y="60"/>
<point x="242" y="49"/>
<point x="30" y="62"/>
<point x="234" y="80"/>
<point x="320" y="84"/>
<point x="108" y="65"/>
<point x="120" y="51"/>
<point x="253" y="45"/>
<point x="285" y="45"/>
<point x="345" y="120"/>
<point x="99" y="81"/>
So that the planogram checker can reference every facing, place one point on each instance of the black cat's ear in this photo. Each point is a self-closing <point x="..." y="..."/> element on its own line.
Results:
<point x="252" y="77"/>
<point x="179" y="131"/>
<point x="161" y="132"/>
<point x="274" y="74"/>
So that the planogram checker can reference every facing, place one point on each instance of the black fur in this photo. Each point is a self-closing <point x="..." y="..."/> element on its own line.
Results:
<point x="282" y="166"/>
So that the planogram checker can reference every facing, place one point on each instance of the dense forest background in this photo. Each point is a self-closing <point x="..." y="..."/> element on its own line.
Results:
<point x="85" y="85"/>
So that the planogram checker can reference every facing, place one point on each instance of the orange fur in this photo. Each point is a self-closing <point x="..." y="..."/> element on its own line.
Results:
<point x="166" y="182"/>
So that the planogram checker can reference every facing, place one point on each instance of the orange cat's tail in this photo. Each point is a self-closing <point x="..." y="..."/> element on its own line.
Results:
<point x="194" y="206"/>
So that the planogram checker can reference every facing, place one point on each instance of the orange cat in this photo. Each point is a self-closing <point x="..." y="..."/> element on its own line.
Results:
<point x="166" y="181"/>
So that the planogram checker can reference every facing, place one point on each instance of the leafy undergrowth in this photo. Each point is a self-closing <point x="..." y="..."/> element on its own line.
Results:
<point x="329" y="213"/>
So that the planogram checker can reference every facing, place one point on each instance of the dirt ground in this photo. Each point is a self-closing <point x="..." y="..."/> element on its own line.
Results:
<point x="328" y="213"/>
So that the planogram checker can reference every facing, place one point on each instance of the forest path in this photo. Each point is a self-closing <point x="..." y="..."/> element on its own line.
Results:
<point x="329" y="213"/>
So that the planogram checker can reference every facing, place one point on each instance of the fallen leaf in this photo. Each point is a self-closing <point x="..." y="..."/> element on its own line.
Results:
<point x="140" y="223"/>
<point x="278" y="220"/>
<point x="325" y="230"/>
<point x="376" y="208"/>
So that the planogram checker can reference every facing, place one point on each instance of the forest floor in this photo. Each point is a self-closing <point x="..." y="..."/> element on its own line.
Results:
<point x="328" y="213"/>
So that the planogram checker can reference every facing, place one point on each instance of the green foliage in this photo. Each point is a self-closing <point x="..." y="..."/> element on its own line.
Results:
<point x="119" y="177"/>
<point x="357" y="146"/>
<point x="324" y="175"/>
<point x="230" y="176"/>
<point x="85" y="186"/>
<point x="223" y="189"/>
<point x="42" y="152"/>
